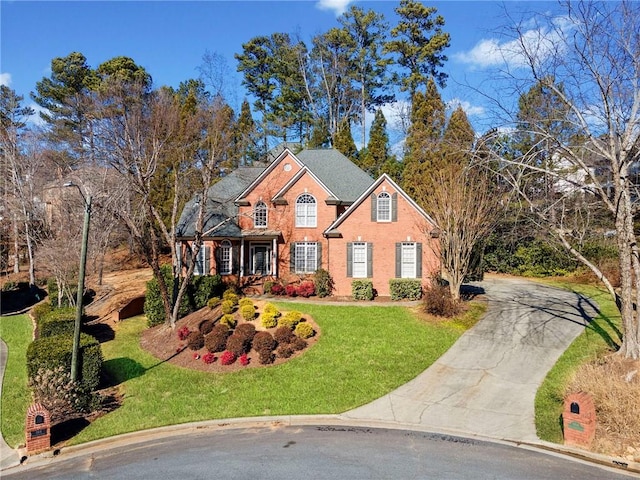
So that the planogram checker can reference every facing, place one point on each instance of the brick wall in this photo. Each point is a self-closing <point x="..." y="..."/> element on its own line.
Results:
<point x="38" y="429"/>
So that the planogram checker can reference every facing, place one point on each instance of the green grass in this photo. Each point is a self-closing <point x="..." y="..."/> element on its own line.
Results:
<point x="601" y="336"/>
<point x="16" y="331"/>
<point x="362" y="354"/>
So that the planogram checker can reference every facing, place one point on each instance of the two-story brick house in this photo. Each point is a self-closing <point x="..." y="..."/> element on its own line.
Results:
<point x="315" y="209"/>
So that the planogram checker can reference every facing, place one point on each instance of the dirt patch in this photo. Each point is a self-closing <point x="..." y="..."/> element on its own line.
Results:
<point x="163" y="343"/>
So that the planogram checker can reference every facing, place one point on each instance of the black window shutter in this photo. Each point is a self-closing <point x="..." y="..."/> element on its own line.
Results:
<point x="207" y="260"/>
<point x="369" y="260"/>
<point x="218" y="258"/>
<point x="319" y="254"/>
<point x="374" y="207"/>
<point x="292" y="257"/>
<point x="349" y="259"/>
<point x="419" y="260"/>
<point x="235" y="255"/>
<point x="398" y="260"/>
<point x="394" y="207"/>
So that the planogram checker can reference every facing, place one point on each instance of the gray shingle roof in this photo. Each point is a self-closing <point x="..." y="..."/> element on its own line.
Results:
<point x="343" y="177"/>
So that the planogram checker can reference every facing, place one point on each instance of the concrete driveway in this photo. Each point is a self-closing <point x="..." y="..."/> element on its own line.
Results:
<point x="486" y="383"/>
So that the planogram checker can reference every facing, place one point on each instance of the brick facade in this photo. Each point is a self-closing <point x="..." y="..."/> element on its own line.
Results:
<point x="38" y="429"/>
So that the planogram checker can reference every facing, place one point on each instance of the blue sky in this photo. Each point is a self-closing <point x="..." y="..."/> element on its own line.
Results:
<point x="169" y="38"/>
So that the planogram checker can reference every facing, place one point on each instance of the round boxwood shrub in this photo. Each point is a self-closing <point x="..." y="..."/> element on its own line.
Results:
<point x="245" y="301"/>
<point x="248" y="312"/>
<point x="216" y="341"/>
<point x="231" y="296"/>
<point x="271" y="309"/>
<point x="298" y="343"/>
<point x="195" y="340"/>
<point x="285" y="350"/>
<point x="304" y="330"/>
<point x="227" y="307"/>
<point x="264" y="341"/>
<point x="246" y="330"/>
<point x="213" y="302"/>
<point x="48" y="353"/>
<point x="238" y="344"/>
<point x="290" y="319"/>
<point x="228" y="320"/>
<point x="266" y="357"/>
<point x="206" y="326"/>
<point x="283" y="335"/>
<point x="269" y="320"/>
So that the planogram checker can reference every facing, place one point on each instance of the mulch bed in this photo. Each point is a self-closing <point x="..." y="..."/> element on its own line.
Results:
<point x="163" y="343"/>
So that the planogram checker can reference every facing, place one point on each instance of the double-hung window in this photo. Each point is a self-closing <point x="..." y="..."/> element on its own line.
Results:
<point x="225" y="258"/>
<point x="359" y="263"/>
<point x="305" y="257"/>
<point x="408" y="260"/>
<point x="306" y="211"/>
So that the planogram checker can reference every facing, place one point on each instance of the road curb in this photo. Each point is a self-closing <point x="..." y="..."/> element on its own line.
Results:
<point x="333" y="421"/>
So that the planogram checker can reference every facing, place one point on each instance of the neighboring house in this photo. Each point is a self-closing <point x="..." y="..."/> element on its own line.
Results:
<point x="311" y="210"/>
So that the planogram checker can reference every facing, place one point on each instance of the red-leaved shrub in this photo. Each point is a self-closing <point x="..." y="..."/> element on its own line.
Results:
<point x="306" y="289"/>
<point x="277" y="289"/>
<point x="208" y="358"/>
<point x="183" y="333"/>
<point x="291" y="290"/>
<point x="227" y="357"/>
<point x="244" y="360"/>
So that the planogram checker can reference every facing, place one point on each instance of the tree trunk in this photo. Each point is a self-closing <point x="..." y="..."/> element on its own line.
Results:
<point x="16" y="245"/>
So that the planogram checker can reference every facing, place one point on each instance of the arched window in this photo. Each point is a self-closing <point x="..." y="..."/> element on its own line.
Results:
<point x="260" y="215"/>
<point x="225" y="258"/>
<point x="306" y="215"/>
<point x="384" y="207"/>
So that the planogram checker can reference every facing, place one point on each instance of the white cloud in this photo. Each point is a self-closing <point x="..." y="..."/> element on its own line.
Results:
<point x="470" y="110"/>
<point x="338" y="6"/>
<point x="35" y="119"/>
<point x="532" y="46"/>
<point x="5" y="79"/>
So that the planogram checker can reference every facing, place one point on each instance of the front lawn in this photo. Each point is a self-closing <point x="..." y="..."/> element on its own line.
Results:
<point x="599" y="337"/>
<point x="362" y="354"/>
<point x="17" y="332"/>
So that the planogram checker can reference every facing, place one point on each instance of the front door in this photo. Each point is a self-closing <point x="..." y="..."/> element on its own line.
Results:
<point x="260" y="259"/>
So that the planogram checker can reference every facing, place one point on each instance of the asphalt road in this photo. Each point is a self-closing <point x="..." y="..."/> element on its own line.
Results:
<point x="315" y="452"/>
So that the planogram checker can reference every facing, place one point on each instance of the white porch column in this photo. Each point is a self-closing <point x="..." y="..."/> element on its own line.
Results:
<point x="241" y="257"/>
<point x="274" y="248"/>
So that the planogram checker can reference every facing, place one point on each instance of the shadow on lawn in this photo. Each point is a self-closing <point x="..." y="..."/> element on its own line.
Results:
<point x="119" y="370"/>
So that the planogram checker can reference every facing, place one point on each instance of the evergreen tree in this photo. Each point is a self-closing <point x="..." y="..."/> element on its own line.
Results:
<point x="377" y="152"/>
<point x="418" y="42"/>
<point x="247" y="136"/>
<point x="320" y="136"/>
<point x="343" y="141"/>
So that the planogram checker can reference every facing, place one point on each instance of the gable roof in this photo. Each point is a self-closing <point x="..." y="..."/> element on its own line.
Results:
<point x="384" y="177"/>
<point x="219" y="205"/>
<point x="336" y="173"/>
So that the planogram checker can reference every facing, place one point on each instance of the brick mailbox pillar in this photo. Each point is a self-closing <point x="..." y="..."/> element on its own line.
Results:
<point x="579" y="420"/>
<point x="38" y="429"/>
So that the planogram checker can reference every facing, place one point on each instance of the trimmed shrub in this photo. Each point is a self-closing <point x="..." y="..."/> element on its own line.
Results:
<point x="291" y="290"/>
<point x="229" y="320"/>
<point x="298" y="343"/>
<point x="362" y="290"/>
<point x="238" y="344"/>
<point x="227" y="307"/>
<point x="405" y="289"/>
<point x="49" y="353"/>
<point x="267" y="286"/>
<point x="285" y="350"/>
<point x="438" y="301"/>
<point x="202" y="288"/>
<point x="323" y="283"/>
<point x="231" y="296"/>
<point x="269" y="320"/>
<point x="59" y="321"/>
<point x="277" y="289"/>
<point x="264" y="341"/>
<point x="290" y="319"/>
<point x="306" y="289"/>
<point x="248" y="312"/>
<point x="266" y="357"/>
<point x="304" y="330"/>
<point x="220" y="328"/>
<point x="67" y="299"/>
<point x="246" y="330"/>
<point x="40" y="310"/>
<point x="213" y="302"/>
<point x="208" y="358"/>
<point x="216" y="341"/>
<point x="271" y="308"/>
<point x="244" y="360"/>
<point x="195" y="341"/>
<point x="206" y="326"/>
<point x="283" y="335"/>
<point x="245" y="301"/>
<point x="183" y="333"/>
<point x="228" y="358"/>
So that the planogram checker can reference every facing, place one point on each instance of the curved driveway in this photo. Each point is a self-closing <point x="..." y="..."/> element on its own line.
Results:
<point x="486" y="383"/>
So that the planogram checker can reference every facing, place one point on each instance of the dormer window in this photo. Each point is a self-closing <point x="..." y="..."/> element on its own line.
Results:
<point x="384" y="207"/>
<point x="260" y="215"/>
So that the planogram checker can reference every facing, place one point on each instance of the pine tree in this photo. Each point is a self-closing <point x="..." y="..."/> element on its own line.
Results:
<point x="377" y="152"/>
<point x="247" y="136"/>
